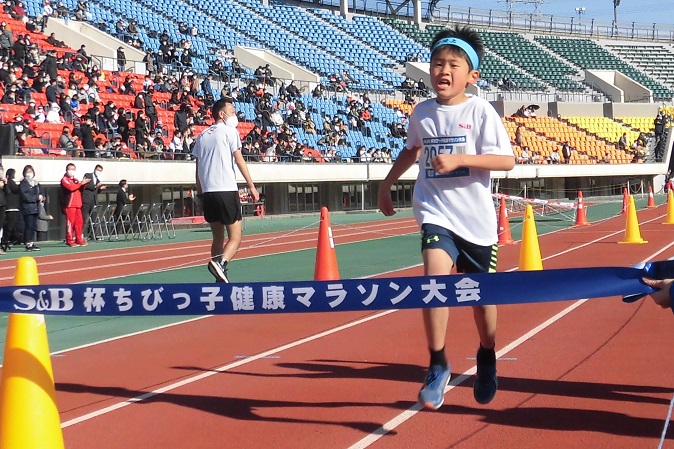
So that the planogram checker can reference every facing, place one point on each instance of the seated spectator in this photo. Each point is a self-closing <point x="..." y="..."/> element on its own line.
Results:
<point x="132" y="29"/>
<point x="622" y="142"/>
<point x="554" y="157"/>
<point x="66" y="141"/>
<point x="55" y="42"/>
<point x="53" y="114"/>
<point x="525" y="156"/>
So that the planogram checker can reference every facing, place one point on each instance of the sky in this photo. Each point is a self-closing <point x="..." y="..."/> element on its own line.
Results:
<point x="640" y="11"/>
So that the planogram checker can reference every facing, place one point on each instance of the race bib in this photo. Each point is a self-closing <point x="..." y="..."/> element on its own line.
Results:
<point x="434" y="146"/>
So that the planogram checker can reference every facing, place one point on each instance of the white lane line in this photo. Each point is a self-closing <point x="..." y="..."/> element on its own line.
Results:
<point x="223" y="368"/>
<point x="664" y="430"/>
<point x="410" y="412"/>
<point x="416" y="408"/>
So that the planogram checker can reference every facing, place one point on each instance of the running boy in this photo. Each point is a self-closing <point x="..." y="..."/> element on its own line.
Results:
<point x="457" y="139"/>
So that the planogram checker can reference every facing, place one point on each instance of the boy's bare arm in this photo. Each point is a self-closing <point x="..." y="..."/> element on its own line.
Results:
<point x="403" y="162"/>
<point x="445" y="163"/>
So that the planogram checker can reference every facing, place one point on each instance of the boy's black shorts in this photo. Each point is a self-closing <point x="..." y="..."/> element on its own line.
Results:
<point x="468" y="257"/>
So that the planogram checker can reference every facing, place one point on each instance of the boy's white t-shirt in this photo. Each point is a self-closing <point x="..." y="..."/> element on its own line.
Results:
<point x="214" y="150"/>
<point x="460" y="201"/>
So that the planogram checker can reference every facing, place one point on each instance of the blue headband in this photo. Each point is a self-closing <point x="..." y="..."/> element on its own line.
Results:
<point x="463" y="45"/>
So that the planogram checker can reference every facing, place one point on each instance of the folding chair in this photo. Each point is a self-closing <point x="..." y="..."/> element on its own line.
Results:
<point x="154" y="217"/>
<point x="109" y="222"/>
<point x="167" y="220"/>
<point x="122" y="224"/>
<point x="94" y="222"/>
<point x="140" y="226"/>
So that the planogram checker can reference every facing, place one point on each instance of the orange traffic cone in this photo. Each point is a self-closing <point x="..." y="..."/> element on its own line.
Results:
<point x="504" y="235"/>
<point x="530" y="252"/>
<point x="670" y="207"/>
<point x="29" y="418"/>
<point x="632" y="233"/>
<point x="626" y="202"/>
<point x="581" y="217"/>
<point x="651" y="199"/>
<point x="326" y="257"/>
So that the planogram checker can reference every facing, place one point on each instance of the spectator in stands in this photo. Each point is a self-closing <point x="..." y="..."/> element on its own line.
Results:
<point x="51" y="40"/>
<point x="120" y="30"/>
<point x="39" y="116"/>
<point x="658" y="125"/>
<point x="31" y="194"/>
<point x="67" y="142"/>
<point x="53" y="115"/>
<point x="19" y="50"/>
<point x="519" y="134"/>
<point x="19" y="12"/>
<point x="62" y="12"/>
<point x="622" y="142"/>
<point x="142" y="128"/>
<point x="292" y="90"/>
<point x="194" y="31"/>
<point x="6" y="40"/>
<point x="186" y="60"/>
<point x="121" y="60"/>
<point x="525" y="156"/>
<point x="566" y="152"/>
<point x="82" y="13"/>
<point x="71" y="203"/>
<point x="554" y="157"/>
<point x="132" y="29"/>
<point x="47" y="12"/>
<point x="150" y="62"/>
<point x="86" y="133"/>
<point x="237" y="69"/>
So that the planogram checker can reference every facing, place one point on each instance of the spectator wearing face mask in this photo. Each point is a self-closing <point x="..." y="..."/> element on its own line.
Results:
<point x="31" y="194"/>
<point x="71" y="202"/>
<point x="90" y="193"/>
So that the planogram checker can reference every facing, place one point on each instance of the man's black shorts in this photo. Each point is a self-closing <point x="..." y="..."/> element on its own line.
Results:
<point x="222" y="207"/>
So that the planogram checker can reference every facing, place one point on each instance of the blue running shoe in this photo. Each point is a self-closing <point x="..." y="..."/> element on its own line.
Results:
<point x="432" y="394"/>
<point x="486" y="383"/>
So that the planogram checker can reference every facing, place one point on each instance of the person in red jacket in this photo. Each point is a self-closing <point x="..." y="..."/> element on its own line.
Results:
<point x="71" y="202"/>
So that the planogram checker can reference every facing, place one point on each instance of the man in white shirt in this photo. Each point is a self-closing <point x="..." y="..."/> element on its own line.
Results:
<point x="217" y="150"/>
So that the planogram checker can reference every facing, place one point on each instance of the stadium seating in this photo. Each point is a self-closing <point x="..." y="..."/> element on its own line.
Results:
<point x="654" y="59"/>
<point x="523" y="53"/>
<point x="603" y="128"/>
<point x="588" y="55"/>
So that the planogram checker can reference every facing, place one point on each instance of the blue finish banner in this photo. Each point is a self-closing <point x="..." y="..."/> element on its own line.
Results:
<point x="334" y="296"/>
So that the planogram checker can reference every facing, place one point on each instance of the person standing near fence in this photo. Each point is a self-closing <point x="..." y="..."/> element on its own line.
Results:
<point x="217" y="150"/>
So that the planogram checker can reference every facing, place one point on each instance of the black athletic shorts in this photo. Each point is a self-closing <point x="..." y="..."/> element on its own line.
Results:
<point x="468" y="257"/>
<point x="223" y="207"/>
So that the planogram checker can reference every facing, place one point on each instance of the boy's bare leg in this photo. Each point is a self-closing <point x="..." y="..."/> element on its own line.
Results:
<point x="436" y="263"/>
<point x="485" y="321"/>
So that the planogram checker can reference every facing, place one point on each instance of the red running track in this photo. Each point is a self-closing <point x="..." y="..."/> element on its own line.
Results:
<point x="575" y="374"/>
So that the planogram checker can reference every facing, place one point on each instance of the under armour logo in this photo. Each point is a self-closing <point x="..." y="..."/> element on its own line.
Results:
<point x="435" y="238"/>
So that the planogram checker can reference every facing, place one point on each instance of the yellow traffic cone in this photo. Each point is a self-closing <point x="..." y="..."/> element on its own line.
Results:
<point x="29" y="418"/>
<point x="530" y="252"/>
<point x="632" y="233"/>
<point x="670" y="207"/>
